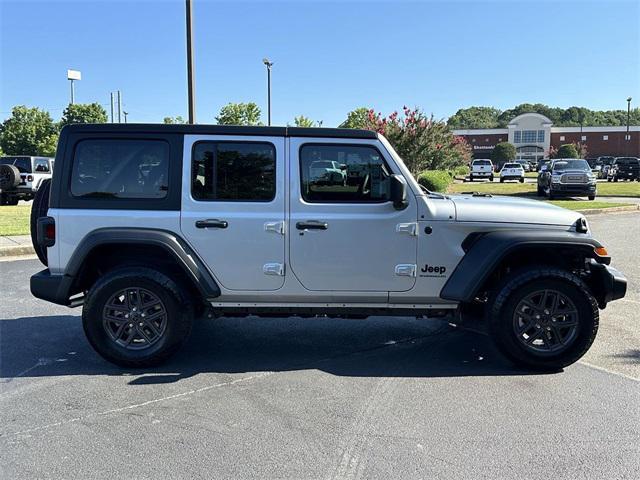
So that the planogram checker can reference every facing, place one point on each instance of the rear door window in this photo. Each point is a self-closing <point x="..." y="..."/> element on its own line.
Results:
<point x="120" y="168"/>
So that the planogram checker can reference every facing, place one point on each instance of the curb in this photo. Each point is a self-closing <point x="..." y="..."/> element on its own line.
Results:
<point x="17" y="251"/>
<point x="597" y="211"/>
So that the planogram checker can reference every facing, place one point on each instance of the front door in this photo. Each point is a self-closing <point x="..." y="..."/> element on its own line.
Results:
<point x="345" y="233"/>
<point x="233" y="208"/>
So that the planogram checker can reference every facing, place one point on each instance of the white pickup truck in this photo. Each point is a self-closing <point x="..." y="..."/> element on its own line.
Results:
<point x="481" y="168"/>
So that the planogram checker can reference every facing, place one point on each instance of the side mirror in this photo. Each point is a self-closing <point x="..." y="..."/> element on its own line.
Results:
<point x="398" y="191"/>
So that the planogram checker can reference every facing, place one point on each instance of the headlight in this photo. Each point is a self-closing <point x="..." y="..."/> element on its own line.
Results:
<point x="555" y="178"/>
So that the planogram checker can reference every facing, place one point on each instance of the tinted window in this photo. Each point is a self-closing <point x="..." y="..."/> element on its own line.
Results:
<point x="343" y="173"/>
<point x="22" y="164"/>
<point x="120" y="169"/>
<point x="512" y="165"/>
<point x="234" y="171"/>
<point x="570" y="165"/>
<point x="41" y="165"/>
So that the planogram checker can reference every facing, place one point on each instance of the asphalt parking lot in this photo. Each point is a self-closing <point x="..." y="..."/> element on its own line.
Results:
<point x="323" y="398"/>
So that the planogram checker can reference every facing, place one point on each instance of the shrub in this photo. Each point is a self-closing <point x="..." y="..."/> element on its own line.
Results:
<point x="435" y="180"/>
<point x="461" y="171"/>
<point x="502" y="153"/>
<point x="568" y="150"/>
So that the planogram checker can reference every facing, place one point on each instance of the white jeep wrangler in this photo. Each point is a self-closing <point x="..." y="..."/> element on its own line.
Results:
<point x="149" y="226"/>
<point x="21" y="176"/>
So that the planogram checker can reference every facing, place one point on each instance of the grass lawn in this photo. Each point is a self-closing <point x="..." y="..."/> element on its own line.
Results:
<point x="626" y="189"/>
<point x="14" y="220"/>
<point x="585" y="204"/>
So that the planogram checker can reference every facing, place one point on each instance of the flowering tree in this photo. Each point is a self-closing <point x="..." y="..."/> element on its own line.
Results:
<point x="422" y="142"/>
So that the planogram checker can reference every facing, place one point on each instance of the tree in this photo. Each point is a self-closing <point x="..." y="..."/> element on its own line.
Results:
<point x="475" y="117"/>
<point x="502" y="153"/>
<point x="173" y="120"/>
<point x="83" y="113"/>
<point x="29" y="131"/>
<point x="422" y="142"/>
<point x="568" y="150"/>
<point x="303" y="121"/>
<point x="239" y="114"/>
<point x="358" y="118"/>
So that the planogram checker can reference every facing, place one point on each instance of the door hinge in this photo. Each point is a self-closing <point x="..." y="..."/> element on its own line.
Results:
<point x="273" y="269"/>
<point x="406" y="270"/>
<point x="277" y="227"/>
<point x="410" y="228"/>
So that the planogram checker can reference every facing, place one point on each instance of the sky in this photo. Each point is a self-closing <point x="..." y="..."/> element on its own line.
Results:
<point x="329" y="57"/>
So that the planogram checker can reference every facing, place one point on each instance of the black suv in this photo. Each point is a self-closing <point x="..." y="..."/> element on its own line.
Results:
<point x="624" y="168"/>
<point x="567" y="177"/>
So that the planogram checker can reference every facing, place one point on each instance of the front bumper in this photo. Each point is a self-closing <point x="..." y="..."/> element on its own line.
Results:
<point x="573" y="189"/>
<point x="606" y="282"/>
<point x="53" y="288"/>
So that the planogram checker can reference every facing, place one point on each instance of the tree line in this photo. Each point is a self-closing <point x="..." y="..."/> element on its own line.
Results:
<point x="489" y="117"/>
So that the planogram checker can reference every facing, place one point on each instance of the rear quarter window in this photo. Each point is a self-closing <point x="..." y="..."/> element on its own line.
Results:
<point x="120" y="168"/>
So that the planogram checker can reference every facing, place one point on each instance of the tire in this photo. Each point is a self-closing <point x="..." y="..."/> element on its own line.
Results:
<point x="592" y="197"/>
<point x="502" y="180"/>
<point x="503" y="318"/>
<point x="608" y="179"/>
<point x="12" y="201"/>
<point x="9" y="177"/>
<point x="471" y="178"/>
<point x="549" y="194"/>
<point x="491" y="178"/>
<point x="39" y="209"/>
<point x="615" y="179"/>
<point x="540" y="191"/>
<point x="522" y="180"/>
<point x="171" y="328"/>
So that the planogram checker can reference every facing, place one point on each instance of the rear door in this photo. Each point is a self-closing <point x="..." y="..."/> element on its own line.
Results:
<point x="233" y="208"/>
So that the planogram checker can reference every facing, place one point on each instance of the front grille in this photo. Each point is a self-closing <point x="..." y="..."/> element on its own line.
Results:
<point x="574" y="178"/>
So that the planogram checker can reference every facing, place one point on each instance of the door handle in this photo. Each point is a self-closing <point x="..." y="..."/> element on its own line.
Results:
<point x="213" y="223"/>
<point x="312" y="225"/>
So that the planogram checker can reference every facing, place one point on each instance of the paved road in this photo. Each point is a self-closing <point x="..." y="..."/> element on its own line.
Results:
<point x="297" y="399"/>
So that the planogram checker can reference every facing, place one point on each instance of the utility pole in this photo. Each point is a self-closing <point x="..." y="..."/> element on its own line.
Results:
<point x="112" y="119"/>
<point x="628" y="136"/>
<point x="119" y="106"/>
<point x="125" y="116"/>
<point x="191" y="84"/>
<point x="268" y="64"/>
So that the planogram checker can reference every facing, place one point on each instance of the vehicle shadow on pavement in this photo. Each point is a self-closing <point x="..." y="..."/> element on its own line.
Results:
<point x="376" y="347"/>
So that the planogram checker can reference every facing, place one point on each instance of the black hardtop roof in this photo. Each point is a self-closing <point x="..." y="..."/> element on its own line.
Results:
<point x="218" y="130"/>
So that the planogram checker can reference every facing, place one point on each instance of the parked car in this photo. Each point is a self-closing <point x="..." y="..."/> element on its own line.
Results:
<point x="328" y="172"/>
<point x="605" y="163"/>
<point x="21" y="177"/>
<point x="480" y="169"/>
<point x="567" y="177"/>
<point x="512" y="171"/>
<point x="151" y="226"/>
<point x="624" y="168"/>
<point x="526" y="166"/>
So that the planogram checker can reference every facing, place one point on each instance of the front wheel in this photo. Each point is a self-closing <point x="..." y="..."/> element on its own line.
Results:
<point x="592" y="197"/>
<point x="543" y="318"/>
<point x="136" y="317"/>
<point x="491" y="178"/>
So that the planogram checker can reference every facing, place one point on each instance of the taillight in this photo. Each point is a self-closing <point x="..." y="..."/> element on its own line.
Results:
<point x="46" y="231"/>
<point x="29" y="178"/>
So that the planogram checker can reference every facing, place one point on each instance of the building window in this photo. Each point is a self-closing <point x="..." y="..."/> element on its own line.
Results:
<point x="627" y="137"/>
<point x="562" y="138"/>
<point x="583" y="138"/>
<point x="473" y="140"/>
<point x="605" y="137"/>
<point x="529" y="136"/>
<point x="517" y="136"/>
<point x="540" y="136"/>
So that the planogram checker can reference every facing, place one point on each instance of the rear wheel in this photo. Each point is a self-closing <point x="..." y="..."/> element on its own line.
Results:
<point x="137" y="317"/>
<point x="543" y="318"/>
<point x="522" y="180"/>
<point x="592" y="197"/>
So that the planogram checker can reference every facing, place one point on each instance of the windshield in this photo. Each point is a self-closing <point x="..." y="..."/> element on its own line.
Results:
<point x="563" y="165"/>
<point x="21" y="163"/>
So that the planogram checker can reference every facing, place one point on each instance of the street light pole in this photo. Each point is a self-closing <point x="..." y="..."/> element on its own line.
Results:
<point x="73" y="75"/>
<point x="628" y="137"/>
<point x="191" y="85"/>
<point x="268" y="64"/>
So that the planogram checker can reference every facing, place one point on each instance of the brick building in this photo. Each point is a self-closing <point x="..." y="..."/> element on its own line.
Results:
<point x="533" y="134"/>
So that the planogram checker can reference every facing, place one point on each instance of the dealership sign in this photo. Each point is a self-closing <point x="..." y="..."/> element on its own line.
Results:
<point x="483" y="147"/>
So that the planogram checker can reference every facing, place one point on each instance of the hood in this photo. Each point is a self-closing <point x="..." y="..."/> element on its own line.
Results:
<point x="501" y="209"/>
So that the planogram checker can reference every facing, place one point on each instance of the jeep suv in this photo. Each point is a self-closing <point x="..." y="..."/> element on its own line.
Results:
<point x="567" y="177"/>
<point x="150" y="226"/>
<point x="22" y="176"/>
<point x="624" y="168"/>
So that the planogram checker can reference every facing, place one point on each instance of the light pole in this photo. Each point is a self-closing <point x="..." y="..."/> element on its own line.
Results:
<point x="628" y="136"/>
<point x="73" y="75"/>
<point x="125" y="116"/>
<point x="191" y="84"/>
<point x="268" y="64"/>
